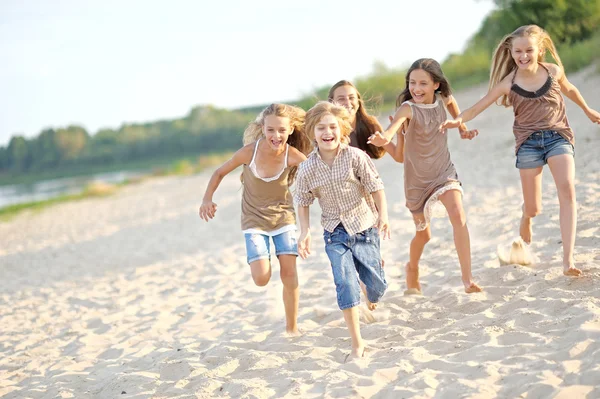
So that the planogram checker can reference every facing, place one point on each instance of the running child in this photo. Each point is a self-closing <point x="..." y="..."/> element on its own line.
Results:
<point x="275" y="144"/>
<point x="429" y="174"/>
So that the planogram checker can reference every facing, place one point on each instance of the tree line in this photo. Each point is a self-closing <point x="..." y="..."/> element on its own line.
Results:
<point x="572" y="24"/>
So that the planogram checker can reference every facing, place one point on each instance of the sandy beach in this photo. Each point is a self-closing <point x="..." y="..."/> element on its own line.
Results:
<point x="133" y="296"/>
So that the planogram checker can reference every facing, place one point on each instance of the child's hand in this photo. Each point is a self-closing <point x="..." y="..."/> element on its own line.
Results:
<point x="594" y="116"/>
<point x="467" y="134"/>
<point x="304" y="244"/>
<point x="450" y="124"/>
<point x="208" y="210"/>
<point x="383" y="225"/>
<point x="378" y="139"/>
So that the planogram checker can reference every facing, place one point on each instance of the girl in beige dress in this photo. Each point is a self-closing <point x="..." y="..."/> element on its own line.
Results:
<point x="429" y="174"/>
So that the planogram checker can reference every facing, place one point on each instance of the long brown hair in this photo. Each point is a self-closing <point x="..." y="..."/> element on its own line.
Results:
<point x="434" y="69"/>
<point x="365" y="125"/>
<point x="503" y="63"/>
<point x="297" y="139"/>
<point x="322" y="108"/>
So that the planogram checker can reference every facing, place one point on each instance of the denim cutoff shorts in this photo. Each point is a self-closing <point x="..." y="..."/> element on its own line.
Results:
<point x="258" y="246"/>
<point x="353" y="257"/>
<point x="540" y="146"/>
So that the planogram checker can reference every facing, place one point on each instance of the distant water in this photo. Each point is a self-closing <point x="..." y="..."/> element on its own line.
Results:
<point x="46" y="189"/>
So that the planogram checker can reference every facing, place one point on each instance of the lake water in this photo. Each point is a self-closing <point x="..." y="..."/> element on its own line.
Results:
<point x="19" y="193"/>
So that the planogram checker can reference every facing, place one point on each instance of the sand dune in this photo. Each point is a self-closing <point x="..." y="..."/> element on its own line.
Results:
<point x="133" y="296"/>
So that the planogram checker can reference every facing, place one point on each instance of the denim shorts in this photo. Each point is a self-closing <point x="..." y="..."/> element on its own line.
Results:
<point x="540" y="146"/>
<point x="353" y="257"/>
<point x="258" y="245"/>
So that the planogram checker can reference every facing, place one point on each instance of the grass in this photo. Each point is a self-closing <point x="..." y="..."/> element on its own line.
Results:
<point x="181" y="167"/>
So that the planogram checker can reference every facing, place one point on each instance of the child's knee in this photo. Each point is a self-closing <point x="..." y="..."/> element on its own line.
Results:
<point x="289" y="276"/>
<point x="423" y="236"/>
<point x="457" y="215"/>
<point x="262" y="279"/>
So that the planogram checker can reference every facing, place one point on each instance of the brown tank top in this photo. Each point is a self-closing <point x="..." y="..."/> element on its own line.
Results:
<point x="543" y="109"/>
<point x="267" y="203"/>
<point x="427" y="163"/>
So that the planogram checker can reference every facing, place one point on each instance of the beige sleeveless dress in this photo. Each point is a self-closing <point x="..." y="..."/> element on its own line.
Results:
<point x="267" y="204"/>
<point x="428" y="169"/>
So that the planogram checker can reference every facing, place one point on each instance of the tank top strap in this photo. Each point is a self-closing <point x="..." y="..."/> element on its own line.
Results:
<point x="254" y="154"/>
<point x="287" y="151"/>
<point x="545" y="67"/>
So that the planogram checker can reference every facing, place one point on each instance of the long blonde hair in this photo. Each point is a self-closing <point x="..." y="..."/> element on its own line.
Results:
<point x="322" y="108"/>
<point x="503" y="63"/>
<point x="296" y="139"/>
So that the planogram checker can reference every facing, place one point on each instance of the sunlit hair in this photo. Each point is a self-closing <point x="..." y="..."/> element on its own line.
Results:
<point x="503" y="62"/>
<point x="322" y="108"/>
<point x="365" y="124"/>
<point x="297" y="138"/>
<point x="434" y="69"/>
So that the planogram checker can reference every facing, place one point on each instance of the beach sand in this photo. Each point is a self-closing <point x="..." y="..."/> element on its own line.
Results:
<point x="133" y="296"/>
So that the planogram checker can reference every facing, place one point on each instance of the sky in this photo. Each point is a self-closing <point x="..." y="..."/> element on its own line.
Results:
<point x="99" y="64"/>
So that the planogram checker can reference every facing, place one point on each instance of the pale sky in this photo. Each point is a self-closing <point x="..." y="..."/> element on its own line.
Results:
<point x="103" y="63"/>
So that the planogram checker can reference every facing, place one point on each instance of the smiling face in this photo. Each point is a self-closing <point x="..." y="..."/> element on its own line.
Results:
<point x="327" y="133"/>
<point x="422" y="87"/>
<point x="525" y="52"/>
<point x="347" y="97"/>
<point x="277" y="129"/>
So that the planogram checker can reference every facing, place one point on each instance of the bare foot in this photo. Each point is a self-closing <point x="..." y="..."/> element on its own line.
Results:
<point x="412" y="278"/>
<point x="370" y="305"/>
<point x="293" y="332"/>
<point x="472" y="287"/>
<point x="357" y="353"/>
<point x="525" y="230"/>
<point x="570" y="270"/>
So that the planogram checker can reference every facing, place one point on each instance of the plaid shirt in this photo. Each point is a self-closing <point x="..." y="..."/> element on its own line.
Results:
<point x="344" y="189"/>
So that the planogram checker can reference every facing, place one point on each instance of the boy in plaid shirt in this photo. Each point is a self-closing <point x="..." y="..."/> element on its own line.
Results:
<point x="354" y="212"/>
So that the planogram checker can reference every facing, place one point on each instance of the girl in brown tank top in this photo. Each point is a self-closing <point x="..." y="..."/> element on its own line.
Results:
<point x="275" y="143"/>
<point x="429" y="174"/>
<point x="542" y="132"/>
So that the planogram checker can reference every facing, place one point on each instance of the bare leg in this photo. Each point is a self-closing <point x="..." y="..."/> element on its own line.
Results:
<point x="261" y="271"/>
<point x="452" y="200"/>
<point x="291" y="292"/>
<point x="370" y="305"/>
<point x="351" y="317"/>
<point x="531" y="183"/>
<point x="563" y="171"/>
<point x="416" y="250"/>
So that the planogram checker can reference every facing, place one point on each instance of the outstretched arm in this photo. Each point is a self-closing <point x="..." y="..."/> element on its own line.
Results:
<point x="573" y="94"/>
<point x="209" y="208"/>
<point x="402" y="114"/>
<point x="396" y="151"/>
<point x="454" y="111"/>
<point x="502" y="88"/>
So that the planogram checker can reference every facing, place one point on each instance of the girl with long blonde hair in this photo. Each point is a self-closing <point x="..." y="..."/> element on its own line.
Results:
<point x="275" y="144"/>
<point x="520" y="78"/>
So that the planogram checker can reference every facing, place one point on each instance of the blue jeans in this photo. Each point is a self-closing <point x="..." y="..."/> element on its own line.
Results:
<point x="540" y="146"/>
<point x="349" y="255"/>
<point x="258" y="245"/>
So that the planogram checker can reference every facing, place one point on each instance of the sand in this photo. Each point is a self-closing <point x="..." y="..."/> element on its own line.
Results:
<point x="133" y="296"/>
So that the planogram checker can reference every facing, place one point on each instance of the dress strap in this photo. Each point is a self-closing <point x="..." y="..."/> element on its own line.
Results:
<point x="287" y="151"/>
